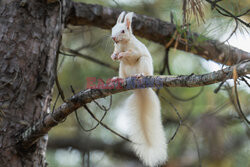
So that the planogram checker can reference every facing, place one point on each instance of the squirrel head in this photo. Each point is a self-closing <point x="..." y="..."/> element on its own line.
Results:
<point x="122" y="31"/>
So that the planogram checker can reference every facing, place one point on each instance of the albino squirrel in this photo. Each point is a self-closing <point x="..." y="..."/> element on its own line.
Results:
<point x="145" y="127"/>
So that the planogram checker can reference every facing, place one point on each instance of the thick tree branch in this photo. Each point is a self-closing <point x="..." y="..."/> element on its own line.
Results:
<point x="30" y="135"/>
<point x="157" y="31"/>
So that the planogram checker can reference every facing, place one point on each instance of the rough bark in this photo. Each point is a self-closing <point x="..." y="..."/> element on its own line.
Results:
<point x="30" y="35"/>
<point x="157" y="31"/>
<point x="86" y="96"/>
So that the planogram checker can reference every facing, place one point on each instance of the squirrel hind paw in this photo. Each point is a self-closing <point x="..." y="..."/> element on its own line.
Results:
<point x="115" y="79"/>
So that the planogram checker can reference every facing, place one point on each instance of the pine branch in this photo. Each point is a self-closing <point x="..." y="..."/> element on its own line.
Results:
<point x="228" y="13"/>
<point x="29" y="136"/>
<point x="157" y="31"/>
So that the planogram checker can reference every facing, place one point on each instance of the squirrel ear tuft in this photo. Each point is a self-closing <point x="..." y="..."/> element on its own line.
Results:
<point x="120" y="18"/>
<point x="128" y="20"/>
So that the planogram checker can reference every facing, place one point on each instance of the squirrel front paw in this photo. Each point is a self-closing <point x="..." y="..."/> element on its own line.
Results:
<point x="121" y="55"/>
<point x="115" y="79"/>
<point x="114" y="56"/>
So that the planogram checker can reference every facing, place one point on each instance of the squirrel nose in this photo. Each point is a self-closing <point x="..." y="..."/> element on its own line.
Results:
<point x="114" y="39"/>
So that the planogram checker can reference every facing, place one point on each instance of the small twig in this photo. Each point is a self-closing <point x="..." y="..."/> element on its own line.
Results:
<point x="248" y="77"/>
<point x="103" y="107"/>
<point x="219" y="87"/>
<point x="171" y="40"/>
<point x="237" y="96"/>
<point x="81" y="126"/>
<point x="228" y="14"/>
<point x="243" y="79"/>
<point x="196" y="142"/>
<point x="232" y="33"/>
<point x="220" y="107"/>
<point x="183" y="99"/>
<point x="60" y="89"/>
<point x="56" y="77"/>
<point x="75" y="53"/>
<point x="105" y="126"/>
<point x="88" y="130"/>
<point x="235" y="105"/>
<point x="213" y="4"/>
<point x="53" y="109"/>
<point x="177" y="42"/>
<point x="78" y="120"/>
<point x="61" y="63"/>
<point x="180" y="122"/>
<point x="188" y="127"/>
<point x="179" y="118"/>
<point x="166" y="63"/>
<point x="171" y="17"/>
<point x="244" y="13"/>
<point x="189" y="112"/>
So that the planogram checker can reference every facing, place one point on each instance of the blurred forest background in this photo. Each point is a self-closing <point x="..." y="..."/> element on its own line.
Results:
<point x="210" y="126"/>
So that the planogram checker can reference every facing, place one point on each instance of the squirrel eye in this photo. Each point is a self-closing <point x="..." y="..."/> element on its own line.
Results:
<point x="123" y="31"/>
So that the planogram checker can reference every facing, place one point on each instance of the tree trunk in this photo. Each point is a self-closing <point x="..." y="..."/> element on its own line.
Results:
<point x="30" y="34"/>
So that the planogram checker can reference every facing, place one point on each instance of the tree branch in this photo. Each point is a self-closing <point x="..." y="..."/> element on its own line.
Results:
<point x="29" y="136"/>
<point x="157" y="31"/>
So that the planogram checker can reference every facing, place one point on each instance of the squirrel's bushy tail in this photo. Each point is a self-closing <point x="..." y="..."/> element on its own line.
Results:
<point x="145" y="127"/>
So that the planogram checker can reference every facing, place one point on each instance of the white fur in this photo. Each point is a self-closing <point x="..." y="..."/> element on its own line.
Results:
<point x="145" y="128"/>
<point x="143" y="106"/>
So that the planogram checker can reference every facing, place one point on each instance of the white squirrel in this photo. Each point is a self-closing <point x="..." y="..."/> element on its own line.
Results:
<point x="145" y="127"/>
